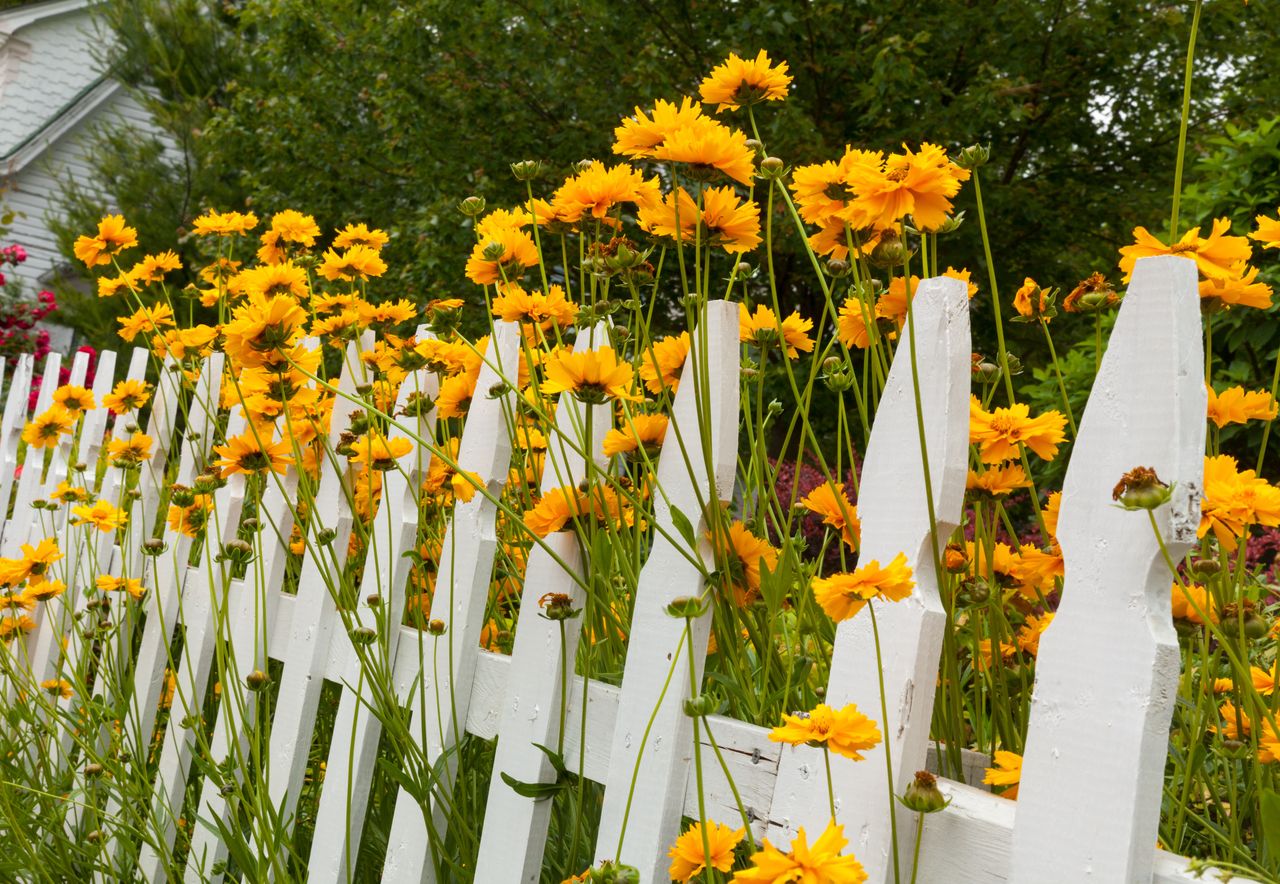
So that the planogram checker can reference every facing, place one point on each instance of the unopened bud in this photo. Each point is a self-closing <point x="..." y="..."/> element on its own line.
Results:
<point x="526" y="170"/>
<point x="973" y="157"/>
<point x="687" y="607"/>
<point x="257" y="680"/>
<point x="923" y="795"/>
<point x="471" y="206"/>
<point x="772" y="168"/>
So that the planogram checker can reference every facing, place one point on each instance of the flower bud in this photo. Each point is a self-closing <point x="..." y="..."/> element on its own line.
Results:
<point x="93" y="770"/>
<point x="493" y="250"/>
<point x="955" y="558"/>
<point x="526" y="170"/>
<point x="973" y="157"/>
<point x="94" y="837"/>
<point x="923" y="795"/>
<point x="257" y="680"/>
<point x="1205" y="567"/>
<point x="952" y="223"/>
<point x="986" y="372"/>
<point x="772" y="168"/>
<point x="743" y="269"/>
<point x="373" y="600"/>
<point x="153" y="546"/>
<point x="891" y="251"/>
<point x="436" y="627"/>
<point x="687" y="607"/>
<point x="754" y="146"/>
<point x="1141" y="489"/>
<point x="326" y="537"/>
<point x="838" y="268"/>
<point x="364" y="635"/>
<point x="701" y="706"/>
<point x="472" y="206"/>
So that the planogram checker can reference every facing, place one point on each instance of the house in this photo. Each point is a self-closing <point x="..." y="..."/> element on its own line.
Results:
<point x="53" y="93"/>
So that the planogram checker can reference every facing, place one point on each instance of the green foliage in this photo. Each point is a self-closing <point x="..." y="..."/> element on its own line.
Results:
<point x="391" y="113"/>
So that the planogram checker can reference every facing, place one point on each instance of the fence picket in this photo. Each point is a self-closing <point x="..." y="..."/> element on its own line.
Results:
<point x="440" y="696"/>
<point x="356" y="731"/>
<point x="511" y="849"/>
<point x="1106" y="678"/>
<point x="15" y="416"/>
<point x="894" y="509"/>
<point x="16" y="530"/>
<point x="691" y="479"/>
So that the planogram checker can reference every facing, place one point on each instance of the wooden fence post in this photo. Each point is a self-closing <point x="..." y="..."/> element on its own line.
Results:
<point x="643" y="812"/>
<point x="1107" y="670"/>
<point x="894" y="507"/>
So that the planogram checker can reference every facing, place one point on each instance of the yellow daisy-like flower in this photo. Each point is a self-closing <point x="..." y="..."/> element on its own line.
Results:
<point x="145" y="320"/>
<point x="722" y="221"/>
<point x="690" y="857"/>
<point x="662" y="362"/>
<point x="709" y="147"/>
<point x="597" y="190"/>
<point x="1235" y="406"/>
<point x="1267" y="231"/>
<point x="559" y="507"/>
<point x="1215" y="255"/>
<point x="1006" y="772"/>
<point x="844" y="731"/>
<point x="639" y="136"/>
<point x="546" y="311"/>
<point x="152" y="268"/>
<point x="113" y="237"/>
<point x="916" y="183"/>
<point x="127" y="396"/>
<point x="819" y="863"/>
<point x="281" y="280"/>
<point x="643" y="432"/>
<point x="58" y="687"/>
<point x="13" y="624"/>
<point x="998" y="433"/>
<point x="44" y="430"/>
<point x="44" y="590"/>
<point x="743" y="555"/>
<point x="131" y="451"/>
<point x="360" y="235"/>
<point x="34" y="563"/>
<point x="1234" y="500"/>
<point x="763" y="329"/>
<point x="998" y="481"/>
<point x="1240" y="289"/>
<point x="1029" y="299"/>
<point x="736" y="82"/>
<point x="831" y="502"/>
<point x="378" y="451"/>
<point x="357" y="262"/>
<point x="68" y="493"/>
<point x="1029" y="634"/>
<point x="101" y="515"/>
<point x="253" y="452"/>
<point x="592" y="376"/>
<point x="262" y="328"/>
<point x="1193" y="603"/>
<point x="502" y="254"/>
<point x="851" y="323"/>
<point x="843" y="595"/>
<point x="213" y="223"/>
<point x="193" y="518"/>
<point x="108" y="583"/>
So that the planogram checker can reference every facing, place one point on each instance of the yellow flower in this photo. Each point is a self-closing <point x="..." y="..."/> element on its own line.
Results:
<point x="661" y="363"/>
<point x="1267" y="232"/>
<point x="844" y="731"/>
<point x="851" y="324"/>
<point x="127" y="396"/>
<point x="360" y="235"/>
<point x="743" y="555"/>
<point x="1036" y="571"/>
<point x="639" y="136"/>
<point x="109" y="286"/>
<point x="1235" y="406"/>
<point x="1215" y="255"/>
<point x="44" y="430"/>
<point x="133" y="586"/>
<point x="689" y="857"/>
<point x="68" y="493"/>
<point x="722" y="220"/>
<point x="998" y="481"/>
<point x="11" y="624"/>
<point x="844" y="595"/>
<point x="34" y="563"/>
<point x="736" y="81"/>
<point x="916" y="183"/>
<point x="1193" y="603"/>
<point x="357" y="262"/>
<point x="832" y="503"/>
<point x="502" y="254"/>
<point x="101" y="515"/>
<point x="262" y="328"/>
<point x="192" y="519"/>
<point x="763" y="329"/>
<point x="253" y="452"/>
<point x="1240" y="289"/>
<point x="999" y="433"/>
<point x="591" y="376"/>
<point x="152" y="268"/>
<point x="819" y="863"/>
<point x="643" y="431"/>
<point x="224" y="223"/>
<point x="378" y="451"/>
<point x="1032" y="629"/>
<point x="112" y="238"/>
<point x="597" y="190"/>
<point x="964" y="276"/>
<point x="708" y="146"/>
<point x="556" y="509"/>
<point x="1234" y="500"/>
<point x="293" y="226"/>
<point x="58" y="687"/>
<point x="131" y="451"/>
<point x="145" y="320"/>
<point x="546" y="311"/>
<point x="1006" y="772"/>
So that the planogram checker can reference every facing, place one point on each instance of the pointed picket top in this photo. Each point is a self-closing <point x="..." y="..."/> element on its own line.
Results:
<point x="513" y="840"/>
<point x="1107" y="669"/>
<point x="440" y="699"/>
<point x="893" y="505"/>
<point x="691" y="478"/>
<point x="17" y="529"/>
<point x="15" y="415"/>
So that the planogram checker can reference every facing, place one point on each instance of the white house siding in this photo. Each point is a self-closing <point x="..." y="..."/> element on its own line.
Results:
<point x="35" y="192"/>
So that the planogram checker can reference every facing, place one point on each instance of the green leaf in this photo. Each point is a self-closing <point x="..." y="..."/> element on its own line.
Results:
<point x="1270" y="806"/>
<point x="536" y="791"/>
<point x="684" y="527"/>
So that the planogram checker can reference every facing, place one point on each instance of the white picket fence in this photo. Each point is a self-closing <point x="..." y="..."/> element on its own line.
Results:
<point x="1105" y="681"/>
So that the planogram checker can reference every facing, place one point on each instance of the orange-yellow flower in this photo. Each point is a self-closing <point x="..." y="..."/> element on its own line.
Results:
<point x="722" y="221"/>
<point x="1267" y="231"/>
<point x="145" y="320"/>
<point x="360" y="235"/>
<point x="831" y="502"/>
<point x="33" y="565"/>
<point x="738" y="81"/>
<point x="253" y="452"/>
<point x="559" y="507"/>
<point x="598" y="189"/>
<point x="689" y="857"/>
<point x="763" y="329"/>
<point x="1215" y="255"/>
<point x="545" y="310"/>
<point x="378" y="451"/>
<point x="643" y="432"/>
<point x="108" y="583"/>
<point x="1032" y="629"/>
<point x="845" y="731"/>
<point x="101" y="515"/>
<point x="1235" y="406"/>
<point x="916" y="183"/>
<point x="1029" y="299"/>
<point x="1240" y="289"/>
<point x="743" y="555"/>
<point x="127" y="396"/>
<point x="131" y="451"/>
<point x="224" y="223"/>
<point x="708" y="146"/>
<point x="357" y="262"/>
<point x="844" y="594"/>
<point x="998" y="433"/>
<point x="152" y="268"/>
<point x="998" y="481"/>
<point x="662" y="362"/>
<point x="1006" y="772"/>
<point x="817" y="863"/>
<point x="504" y="251"/>
<point x="640" y="135"/>
<point x="851" y="324"/>
<point x="1234" y="500"/>
<point x="44" y="430"/>
<point x="1192" y="603"/>
<point x="113" y="237"/>
<point x="592" y="376"/>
